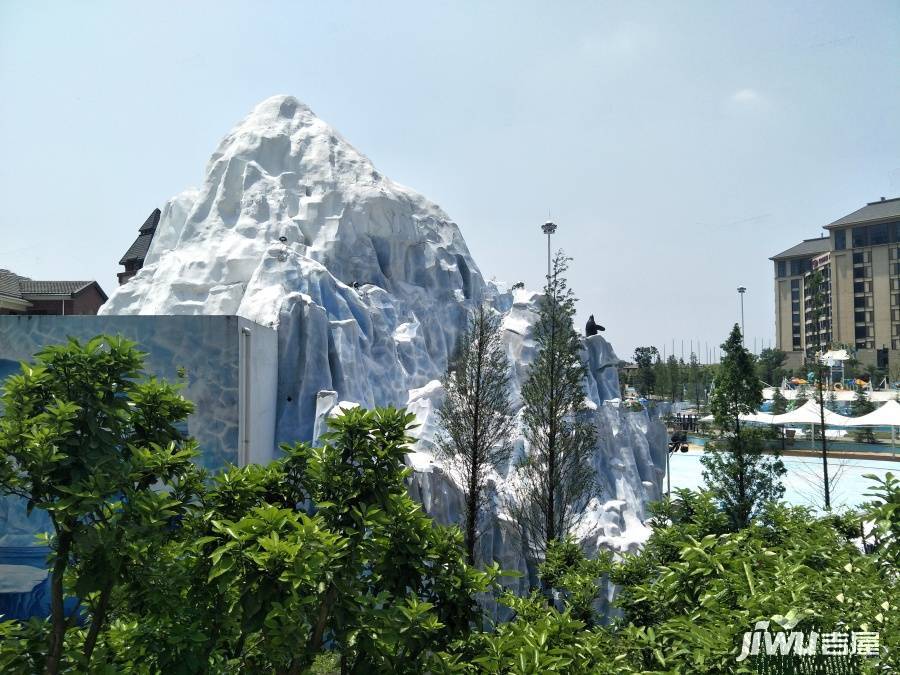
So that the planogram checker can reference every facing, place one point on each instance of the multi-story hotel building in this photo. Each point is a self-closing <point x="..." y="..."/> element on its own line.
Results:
<point x="860" y="263"/>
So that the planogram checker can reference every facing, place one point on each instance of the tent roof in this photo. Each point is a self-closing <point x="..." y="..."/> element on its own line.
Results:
<point x="888" y="415"/>
<point x="808" y="413"/>
<point x="757" y="417"/>
<point x="836" y="355"/>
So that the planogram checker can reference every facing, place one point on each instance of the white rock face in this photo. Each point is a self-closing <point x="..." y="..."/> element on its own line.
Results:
<point x="369" y="285"/>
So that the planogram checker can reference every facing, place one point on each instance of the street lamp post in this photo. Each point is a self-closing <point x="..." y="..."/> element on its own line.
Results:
<point x="741" y="290"/>
<point x="548" y="228"/>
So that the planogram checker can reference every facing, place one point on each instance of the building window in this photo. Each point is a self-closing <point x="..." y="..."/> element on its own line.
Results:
<point x="801" y="266"/>
<point x="780" y="269"/>
<point x="879" y="234"/>
<point x="840" y="240"/>
<point x="875" y="235"/>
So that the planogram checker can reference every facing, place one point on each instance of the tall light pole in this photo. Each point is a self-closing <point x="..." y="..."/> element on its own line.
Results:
<point x="548" y="228"/>
<point x="741" y="291"/>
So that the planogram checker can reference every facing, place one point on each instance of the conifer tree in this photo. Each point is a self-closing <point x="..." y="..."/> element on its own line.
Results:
<point x="557" y="476"/>
<point x="646" y="375"/>
<point x="861" y="405"/>
<point x="476" y="417"/>
<point x="779" y="407"/>
<point x="816" y="288"/>
<point x="736" y="471"/>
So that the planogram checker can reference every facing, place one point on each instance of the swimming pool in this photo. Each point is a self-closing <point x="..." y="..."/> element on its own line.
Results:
<point x="803" y="481"/>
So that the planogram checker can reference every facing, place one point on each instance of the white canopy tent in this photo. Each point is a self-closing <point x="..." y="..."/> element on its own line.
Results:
<point x="808" y="413"/>
<point x="888" y="415"/>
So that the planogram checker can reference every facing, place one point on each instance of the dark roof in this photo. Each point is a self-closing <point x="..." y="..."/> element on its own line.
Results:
<point x="806" y="248"/>
<point x="149" y="226"/>
<point x="31" y="287"/>
<point x="23" y="288"/>
<point x="883" y="209"/>
<point x="138" y="250"/>
<point x="9" y="284"/>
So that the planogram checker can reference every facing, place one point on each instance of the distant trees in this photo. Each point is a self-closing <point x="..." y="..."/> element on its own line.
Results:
<point x="476" y="417"/>
<point x="736" y="471"/>
<point x="557" y="478"/>
<point x="644" y="358"/>
<point x="769" y="366"/>
<point x="696" y="380"/>
<point x="674" y="378"/>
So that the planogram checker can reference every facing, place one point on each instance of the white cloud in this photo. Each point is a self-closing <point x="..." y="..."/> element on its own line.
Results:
<point x="746" y="96"/>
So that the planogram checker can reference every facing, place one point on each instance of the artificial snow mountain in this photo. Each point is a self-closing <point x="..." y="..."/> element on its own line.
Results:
<point x="369" y="285"/>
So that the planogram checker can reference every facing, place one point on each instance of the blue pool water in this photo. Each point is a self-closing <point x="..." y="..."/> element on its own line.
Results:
<point x="803" y="481"/>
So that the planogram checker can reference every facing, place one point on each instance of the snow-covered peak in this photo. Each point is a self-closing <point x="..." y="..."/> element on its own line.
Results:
<point x="284" y="175"/>
<point x="283" y="136"/>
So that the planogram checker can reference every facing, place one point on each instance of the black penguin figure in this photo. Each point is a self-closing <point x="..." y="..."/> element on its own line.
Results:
<point x="592" y="327"/>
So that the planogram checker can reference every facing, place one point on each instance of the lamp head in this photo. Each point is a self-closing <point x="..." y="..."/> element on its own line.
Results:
<point x="548" y="227"/>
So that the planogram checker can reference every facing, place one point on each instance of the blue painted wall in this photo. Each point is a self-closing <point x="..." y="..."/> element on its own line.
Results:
<point x="206" y="347"/>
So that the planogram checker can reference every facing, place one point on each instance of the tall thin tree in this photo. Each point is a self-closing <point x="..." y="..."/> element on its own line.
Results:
<point x="735" y="470"/>
<point x="476" y="417"/>
<point x="815" y="283"/>
<point x="557" y="476"/>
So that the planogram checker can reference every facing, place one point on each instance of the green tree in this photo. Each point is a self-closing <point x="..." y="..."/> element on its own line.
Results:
<point x="816" y="288"/>
<point x="699" y="585"/>
<point x="674" y="378"/>
<point x="556" y="474"/>
<point x="559" y="635"/>
<point x="801" y="397"/>
<point x="273" y="567"/>
<point x="661" y="377"/>
<point x="400" y="584"/>
<point x="861" y="405"/>
<point x="779" y="407"/>
<point x="769" y="366"/>
<point x="86" y="438"/>
<point x="737" y="391"/>
<point x="644" y="358"/>
<point x="884" y="514"/>
<point x="735" y="468"/>
<point x="696" y="382"/>
<point x="476" y="417"/>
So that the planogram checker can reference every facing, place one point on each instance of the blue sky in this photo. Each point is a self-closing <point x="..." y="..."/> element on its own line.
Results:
<point x="678" y="145"/>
